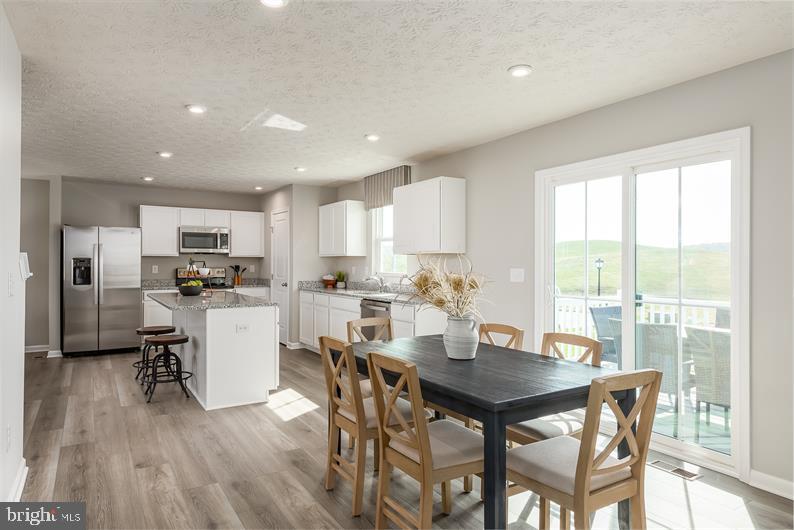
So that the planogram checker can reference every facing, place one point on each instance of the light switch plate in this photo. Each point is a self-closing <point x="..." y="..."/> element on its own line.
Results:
<point x="516" y="275"/>
<point x="252" y="268"/>
<point x="155" y="269"/>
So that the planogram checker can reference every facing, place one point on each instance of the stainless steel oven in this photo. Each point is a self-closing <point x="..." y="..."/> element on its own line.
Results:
<point x="203" y="240"/>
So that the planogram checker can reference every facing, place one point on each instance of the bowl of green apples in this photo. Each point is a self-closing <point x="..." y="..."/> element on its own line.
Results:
<point x="191" y="288"/>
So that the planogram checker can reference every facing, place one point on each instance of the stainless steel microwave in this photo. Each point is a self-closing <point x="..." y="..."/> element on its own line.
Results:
<point x="203" y="240"/>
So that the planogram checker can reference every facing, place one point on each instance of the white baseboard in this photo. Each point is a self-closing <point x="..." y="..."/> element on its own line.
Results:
<point x="293" y="345"/>
<point x="54" y="353"/>
<point x="37" y="348"/>
<point x="19" y="482"/>
<point x="772" y="484"/>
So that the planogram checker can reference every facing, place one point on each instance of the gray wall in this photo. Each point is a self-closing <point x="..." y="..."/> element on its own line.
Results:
<point x="34" y="239"/>
<point x="500" y="201"/>
<point x="97" y="203"/>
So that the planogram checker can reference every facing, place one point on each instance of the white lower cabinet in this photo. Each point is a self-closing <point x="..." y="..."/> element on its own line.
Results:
<point x="324" y="314"/>
<point x="155" y="314"/>
<point x="306" y="332"/>
<point x="259" y="292"/>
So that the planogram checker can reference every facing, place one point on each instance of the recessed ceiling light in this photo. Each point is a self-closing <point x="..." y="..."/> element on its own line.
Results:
<point x="520" y="70"/>
<point x="165" y="154"/>
<point x="372" y="137"/>
<point x="300" y="169"/>
<point x="274" y="3"/>
<point x="258" y="188"/>
<point x="196" y="109"/>
<point x="148" y="179"/>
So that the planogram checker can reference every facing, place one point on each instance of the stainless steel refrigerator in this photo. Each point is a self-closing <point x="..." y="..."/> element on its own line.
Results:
<point x="100" y="288"/>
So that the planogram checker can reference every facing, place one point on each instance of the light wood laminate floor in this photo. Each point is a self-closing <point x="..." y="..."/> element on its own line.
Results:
<point x="90" y="436"/>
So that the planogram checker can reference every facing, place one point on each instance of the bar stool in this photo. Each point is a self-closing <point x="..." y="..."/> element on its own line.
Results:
<point x="145" y="331"/>
<point x="166" y="367"/>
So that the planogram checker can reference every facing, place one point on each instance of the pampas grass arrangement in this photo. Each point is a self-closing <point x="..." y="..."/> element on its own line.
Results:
<point x="454" y="292"/>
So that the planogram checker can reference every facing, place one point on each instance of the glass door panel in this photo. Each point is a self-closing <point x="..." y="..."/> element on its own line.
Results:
<point x="682" y="252"/>
<point x="587" y="261"/>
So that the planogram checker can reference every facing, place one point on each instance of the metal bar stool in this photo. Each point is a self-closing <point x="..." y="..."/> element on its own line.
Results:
<point x="166" y="367"/>
<point x="146" y="331"/>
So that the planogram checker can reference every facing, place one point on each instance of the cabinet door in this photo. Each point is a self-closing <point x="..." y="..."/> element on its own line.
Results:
<point x="405" y="221"/>
<point x="430" y="321"/>
<point x="338" y="227"/>
<point x="191" y="217"/>
<point x="402" y="329"/>
<point x="426" y="206"/>
<point x="155" y="314"/>
<point x="326" y="232"/>
<point x="306" y="323"/>
<point x="159" y="231"/>
<point x="247" y="234"/>
<point x="217" y="218"/>
<point x="320" y="324"/>
<point x="339" y="319"/>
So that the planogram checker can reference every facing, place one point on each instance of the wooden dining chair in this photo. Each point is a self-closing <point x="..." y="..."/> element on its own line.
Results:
<point x="382" y="329"/>
<point x="349" y="411"/>
<point x="431" y="453"/>
<point x="563" y="424"/>
<point x="568" y="471"/>
<point x="514" y="337"/>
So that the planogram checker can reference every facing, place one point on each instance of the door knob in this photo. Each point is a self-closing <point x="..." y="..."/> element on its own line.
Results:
<point x="284" y="284"/>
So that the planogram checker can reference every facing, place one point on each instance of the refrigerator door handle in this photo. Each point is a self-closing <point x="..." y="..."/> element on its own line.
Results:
<point x="94" y="274"/>
<point x="101" y="274"/>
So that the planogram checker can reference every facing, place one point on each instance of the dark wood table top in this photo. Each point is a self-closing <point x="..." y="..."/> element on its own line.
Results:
<point x="497" y="379"/>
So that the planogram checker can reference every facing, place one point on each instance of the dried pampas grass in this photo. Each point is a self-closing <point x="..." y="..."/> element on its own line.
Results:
<point x="455" y="293"/>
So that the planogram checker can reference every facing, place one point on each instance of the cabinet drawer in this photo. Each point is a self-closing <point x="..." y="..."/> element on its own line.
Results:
<point x="403" y="312"/>
<point x="307" y="297"/>
<point x="321" y="300"/>
<point x="345" y="303"/>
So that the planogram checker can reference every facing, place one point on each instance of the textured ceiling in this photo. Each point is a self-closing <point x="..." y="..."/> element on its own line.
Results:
<point x="105" y="83"/>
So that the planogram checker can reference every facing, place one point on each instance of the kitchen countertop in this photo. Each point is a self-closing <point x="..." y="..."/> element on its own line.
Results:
<point x="396" y="298"/>
<point x="215" y="300"/>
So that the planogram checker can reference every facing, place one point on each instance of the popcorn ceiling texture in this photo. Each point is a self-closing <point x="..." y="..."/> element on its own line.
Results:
<point x="105" y="83"/>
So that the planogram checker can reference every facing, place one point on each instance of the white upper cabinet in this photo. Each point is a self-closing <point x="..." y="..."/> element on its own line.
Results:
<point x="430" y="217"/>
<point x="247" y="234"/>
<point x="220" y="218"/>
<point x="191" y="217"/>
<point x="159" y="231"/>
<point x="343" y="229"/>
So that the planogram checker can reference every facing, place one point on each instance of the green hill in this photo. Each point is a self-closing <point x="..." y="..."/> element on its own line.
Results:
<point x="706" y="269"/>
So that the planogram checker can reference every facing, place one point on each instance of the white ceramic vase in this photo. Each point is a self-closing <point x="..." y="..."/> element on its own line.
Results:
<point x="461" y="338"/>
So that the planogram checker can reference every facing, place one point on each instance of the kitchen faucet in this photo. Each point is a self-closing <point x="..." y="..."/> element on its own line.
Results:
<point x="382" y="286"/>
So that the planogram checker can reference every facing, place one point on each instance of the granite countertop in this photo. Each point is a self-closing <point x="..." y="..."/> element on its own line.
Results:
<point x="158" y="285"/>
<point x="396" y="298"/>
<point x="214" y="300"/>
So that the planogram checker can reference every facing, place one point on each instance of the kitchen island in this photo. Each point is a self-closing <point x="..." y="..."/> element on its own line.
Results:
<point x="233" y="348"/>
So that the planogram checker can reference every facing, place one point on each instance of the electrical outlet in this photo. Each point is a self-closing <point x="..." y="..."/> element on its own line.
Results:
<point x="10" y="284"/>
<point x="8" y="438"/>
<point x="155" y="269"/>
<point x="252" y="268"/>
<point x="242" y="328"/>
<point x="517" y="275"/>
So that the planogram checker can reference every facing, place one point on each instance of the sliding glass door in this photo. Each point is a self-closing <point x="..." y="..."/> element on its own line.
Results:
<point x="587" y="261"/>
<point x="648" y="253"/>
<point x="683" y="294"/>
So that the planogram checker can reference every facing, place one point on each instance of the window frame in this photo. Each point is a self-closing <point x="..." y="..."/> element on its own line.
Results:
<point x="377" y="239"/>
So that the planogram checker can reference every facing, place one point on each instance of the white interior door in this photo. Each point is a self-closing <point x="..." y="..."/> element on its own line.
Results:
<point x="279" y="268"/>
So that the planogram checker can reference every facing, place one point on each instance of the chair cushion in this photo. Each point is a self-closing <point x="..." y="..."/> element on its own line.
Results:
<point x="366" y="388"/>
<point x="451" y="444"/>
<point x="549" y="426"/>
<point x="553" y="462"/>
<point x="371" y="412"/>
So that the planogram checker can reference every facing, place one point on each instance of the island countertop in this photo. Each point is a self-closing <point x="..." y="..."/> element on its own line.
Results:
<point x="207" y="300"/>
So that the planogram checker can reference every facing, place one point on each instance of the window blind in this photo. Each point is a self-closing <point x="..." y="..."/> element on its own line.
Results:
<point x="378" y="187"/>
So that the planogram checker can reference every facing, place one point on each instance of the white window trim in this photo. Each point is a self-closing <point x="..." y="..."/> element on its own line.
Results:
<point x="736" y="143"/>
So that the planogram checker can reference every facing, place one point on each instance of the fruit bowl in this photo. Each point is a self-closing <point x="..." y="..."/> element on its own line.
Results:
<point x="190" y="290"/>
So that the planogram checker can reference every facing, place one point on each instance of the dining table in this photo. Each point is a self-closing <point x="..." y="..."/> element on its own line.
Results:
<point x="499" y="387"/>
